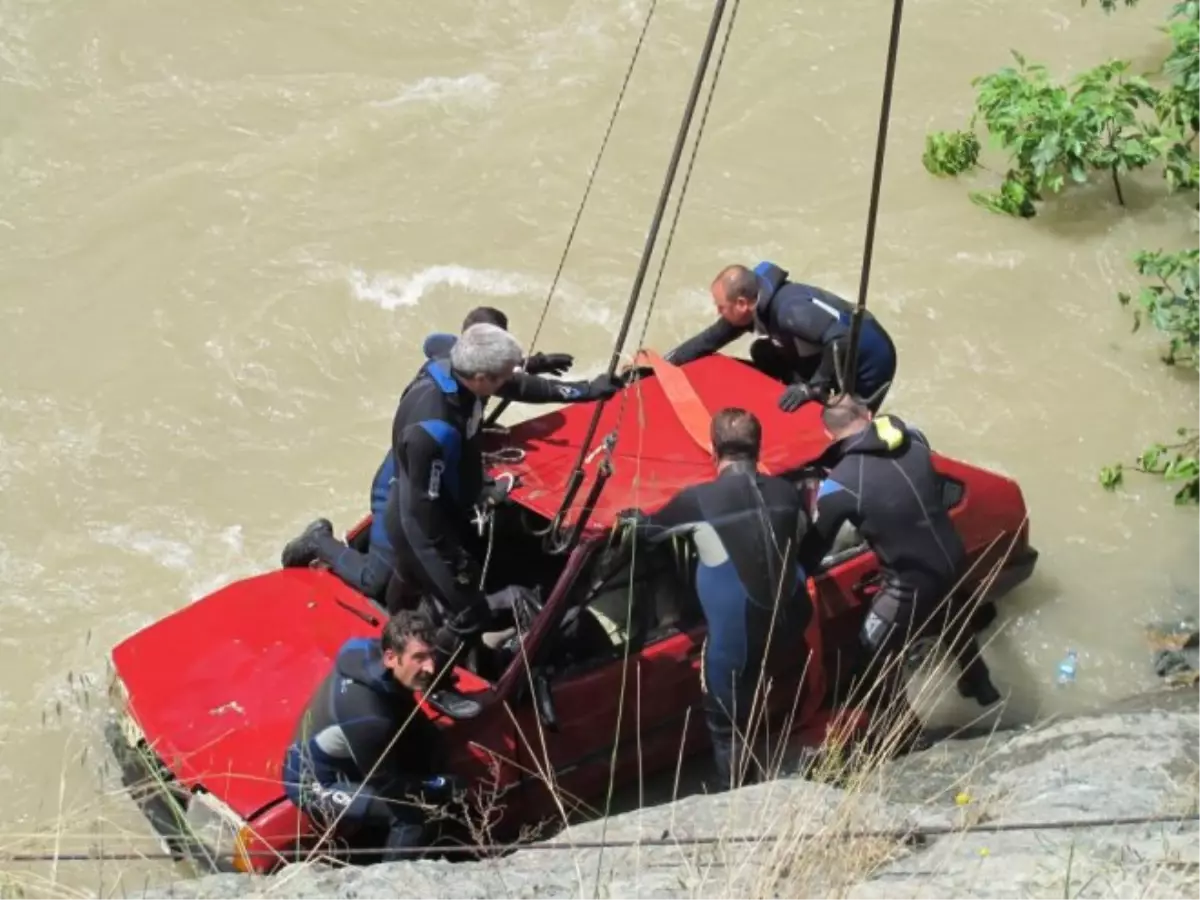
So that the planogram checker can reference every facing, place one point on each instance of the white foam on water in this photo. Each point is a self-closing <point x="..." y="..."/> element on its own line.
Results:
<point x="167" y="553"/>
<point x="393" y="291"/>
<point x="476" y="89"/>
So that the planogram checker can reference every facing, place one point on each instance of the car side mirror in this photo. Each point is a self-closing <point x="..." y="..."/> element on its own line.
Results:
<point x="544" y="699"/>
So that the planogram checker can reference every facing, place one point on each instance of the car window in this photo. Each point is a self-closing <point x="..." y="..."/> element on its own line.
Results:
<point x="628" y="597"/>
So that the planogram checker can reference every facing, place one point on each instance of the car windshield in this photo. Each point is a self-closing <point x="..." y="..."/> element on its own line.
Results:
<point x="629" y="595"/>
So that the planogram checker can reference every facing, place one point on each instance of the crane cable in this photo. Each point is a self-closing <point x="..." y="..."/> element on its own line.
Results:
<point x="494" y="416"/>
<point x="577" y="474"/>
<point x="850" y="370"/>
<point x="687" y="177"/>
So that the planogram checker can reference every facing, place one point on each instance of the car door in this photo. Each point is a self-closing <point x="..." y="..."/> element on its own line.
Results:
<point x="622" y="715"/>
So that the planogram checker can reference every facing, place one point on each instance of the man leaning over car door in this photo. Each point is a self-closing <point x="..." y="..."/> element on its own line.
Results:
<point x="746" y="528"/>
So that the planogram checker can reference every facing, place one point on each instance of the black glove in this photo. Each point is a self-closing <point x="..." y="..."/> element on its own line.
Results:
<point x="602" y="387"/>
<point x="465" y="627"/>
<point x="496" y="492"/>
<point x="796" y="396"/>
<point x="548" y="363"/>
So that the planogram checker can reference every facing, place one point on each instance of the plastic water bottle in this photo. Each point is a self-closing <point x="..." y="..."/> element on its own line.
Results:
<point x="1066" y="668"/>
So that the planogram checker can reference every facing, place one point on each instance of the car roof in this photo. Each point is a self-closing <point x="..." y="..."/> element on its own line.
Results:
<point x="656" y="454"/>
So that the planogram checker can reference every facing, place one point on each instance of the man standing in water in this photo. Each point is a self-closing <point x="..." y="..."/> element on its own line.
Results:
<point x="747" y="528"/>
<point x="804" y="332"/>
<point x="883" y="482"/>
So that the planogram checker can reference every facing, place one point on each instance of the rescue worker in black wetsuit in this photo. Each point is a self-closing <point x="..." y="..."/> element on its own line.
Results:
<point x="363" y="757"/>
<point x="881" y="479"/>
<point x="803" y="329"/>
<point x="370" y="572"/>
<point x="747" y="528"/>
<point x="436" y="441"/>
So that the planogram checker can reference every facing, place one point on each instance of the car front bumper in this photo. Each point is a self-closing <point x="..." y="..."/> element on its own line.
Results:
<point x="163" y="801"/>
<point x="1018" y="571"/>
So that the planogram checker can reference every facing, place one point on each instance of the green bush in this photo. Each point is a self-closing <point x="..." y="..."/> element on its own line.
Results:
<point x="1107" y="121"/>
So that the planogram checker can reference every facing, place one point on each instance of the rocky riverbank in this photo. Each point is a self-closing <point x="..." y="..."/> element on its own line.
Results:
<point x="795" y="837"/>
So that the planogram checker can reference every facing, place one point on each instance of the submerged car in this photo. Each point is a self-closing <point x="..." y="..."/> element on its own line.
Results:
<point x="209" y="696"/>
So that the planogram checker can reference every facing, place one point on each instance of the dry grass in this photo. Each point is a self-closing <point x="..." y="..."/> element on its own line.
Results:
<point x="781" y="838"/>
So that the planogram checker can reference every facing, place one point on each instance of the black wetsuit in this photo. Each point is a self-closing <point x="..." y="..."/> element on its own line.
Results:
<point x="370" y="572"/>
<point x="884" y="483"/>
<point x="436" y="442"/>
<point x="350" y="763"/>
<point x="803" y="327"/>
<point x="747" y="528"/>
<point x="437" y="446"/>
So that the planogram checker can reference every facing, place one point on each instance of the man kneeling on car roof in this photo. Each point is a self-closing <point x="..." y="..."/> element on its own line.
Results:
<point x="364" y="759"/>
<point x="746" y="528"/>
<point x="370" y="572"/>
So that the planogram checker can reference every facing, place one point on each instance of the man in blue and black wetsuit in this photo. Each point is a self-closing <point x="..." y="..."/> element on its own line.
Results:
<point x="370" y="572"/>
<point x="746" y="528"/>
<point x="437" y="445"/>
<point x="804" y="332"/>
<point x="364" y="759"/>
<point x="881" y="479"/>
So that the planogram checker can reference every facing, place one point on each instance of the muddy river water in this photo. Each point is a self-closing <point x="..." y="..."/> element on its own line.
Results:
<point x="225" y="228"/>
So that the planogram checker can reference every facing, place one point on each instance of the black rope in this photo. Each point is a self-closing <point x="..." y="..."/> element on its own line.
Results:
<point x="915" y="835"/>
<point x="687" y="177"/>
<point x="576" y="479"/>
<point x="612" y="121"/>
<point x="850" y="371"/>
<point x="562" y="260"/>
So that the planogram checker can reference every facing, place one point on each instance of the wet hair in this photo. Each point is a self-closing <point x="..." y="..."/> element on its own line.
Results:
<point x="738" y="283"/>
<point x="404" y="626"/>
<point x="485" y="349"/>
<point x="487" y="315"/>
<point x="736" y="434"/>
<point x="843" y="412"/>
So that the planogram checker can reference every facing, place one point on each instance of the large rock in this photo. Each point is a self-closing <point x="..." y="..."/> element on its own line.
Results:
<point x="789" y="837"/>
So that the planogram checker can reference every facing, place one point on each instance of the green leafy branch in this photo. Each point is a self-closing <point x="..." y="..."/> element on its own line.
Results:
<point x="1172" y="305"/>
<point x="1053" y="134"/>
<point x="1186" y="9"/>
<point x="1179" y="462"/>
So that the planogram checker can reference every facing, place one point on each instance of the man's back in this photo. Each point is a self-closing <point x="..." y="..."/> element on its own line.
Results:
<point x="886" y="485"/>
<point x="436" y="428"/>
<point x="746" y="528"/>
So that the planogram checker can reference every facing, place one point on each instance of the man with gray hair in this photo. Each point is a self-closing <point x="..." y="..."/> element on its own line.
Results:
<point x="439" y="476"/>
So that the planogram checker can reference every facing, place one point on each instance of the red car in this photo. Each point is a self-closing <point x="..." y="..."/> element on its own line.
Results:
<point x="209" y="696"/>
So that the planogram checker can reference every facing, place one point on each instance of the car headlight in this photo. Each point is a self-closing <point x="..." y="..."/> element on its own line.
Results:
<point x="213" y="825"/>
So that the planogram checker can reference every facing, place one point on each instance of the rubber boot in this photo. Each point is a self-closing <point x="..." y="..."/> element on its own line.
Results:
<point x="976" y="683"/>
<point x="301" y="551"/>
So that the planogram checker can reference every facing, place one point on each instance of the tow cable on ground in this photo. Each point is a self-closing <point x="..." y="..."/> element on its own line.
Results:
<point x="912" y="836"/>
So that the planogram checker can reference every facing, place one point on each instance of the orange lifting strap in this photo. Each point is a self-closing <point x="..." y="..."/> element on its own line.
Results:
<point x="693" y="415"/>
